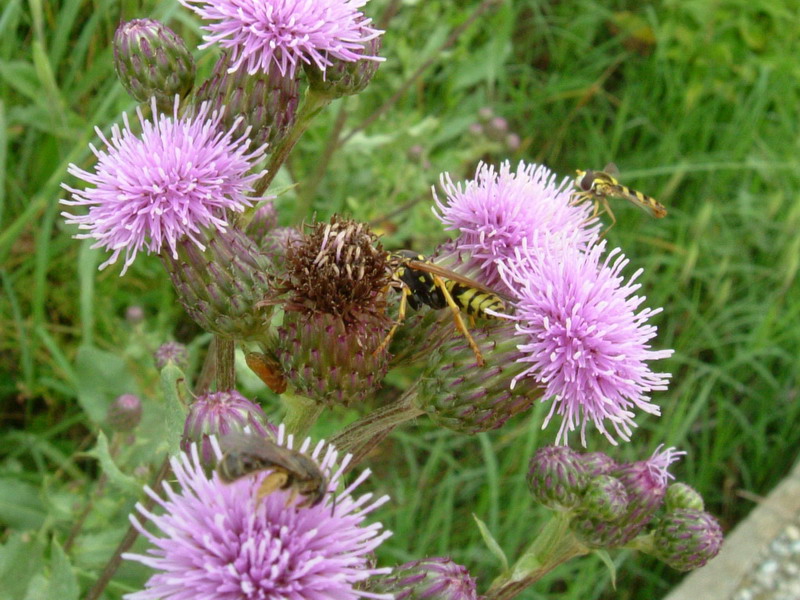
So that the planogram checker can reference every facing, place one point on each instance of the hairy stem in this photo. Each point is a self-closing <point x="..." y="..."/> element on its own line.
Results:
<point x="554" y="545"/>
<point x="225" y="367"/>
<point x="361" y="437"/>
<point x="313" y="103"/>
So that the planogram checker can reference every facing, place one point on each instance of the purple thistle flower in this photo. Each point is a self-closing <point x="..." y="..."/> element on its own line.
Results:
<point x="286" y="33"/>
<point x="497" y="212"/>
<point x="219" y="542"/>
<point x="179" y="175"/>
<point x="586" y="344"/>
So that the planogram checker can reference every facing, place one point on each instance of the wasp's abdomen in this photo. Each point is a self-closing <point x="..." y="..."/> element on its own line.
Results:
<point x="475" y="302"/>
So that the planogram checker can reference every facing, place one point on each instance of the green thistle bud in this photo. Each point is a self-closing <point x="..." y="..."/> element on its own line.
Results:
<point x="598" y="463"/>
<point x="645" y="484"/>
<point x="680" y="495"/>
<point x="266" y="102"/>
<point x="686" y="539"/>
<point x="263" y="221"/>
<point x="460" y="396"/>
<point x="171" y="352"/>
<point x="152" y="60"/>
<point x="557" y="478"/>
<point x="336" y="276"/>
<point x="221" y="288"/>
<point x="125" y="413"/>
<point x="437" y="578"/>
<point x="344" y="78"/>
<point x="605" y="498"/>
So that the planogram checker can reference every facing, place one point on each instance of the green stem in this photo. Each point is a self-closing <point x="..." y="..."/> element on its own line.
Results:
<point x="313" y="103"/>
<point x="554" y="545"/>
<point x="225" y="365"/>
<point x="366" y="433"/>
<point x="301" y="413"/>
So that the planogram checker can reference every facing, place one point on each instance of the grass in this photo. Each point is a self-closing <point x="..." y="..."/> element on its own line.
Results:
<point x="695" y="101"/>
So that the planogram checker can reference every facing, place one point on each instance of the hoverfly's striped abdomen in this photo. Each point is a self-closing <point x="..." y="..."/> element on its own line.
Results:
<point x="474" y="302"/>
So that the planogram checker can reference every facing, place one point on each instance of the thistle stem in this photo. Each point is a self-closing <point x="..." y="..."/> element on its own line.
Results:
<point x="361" y="437"/>
<point x="554" y="545"/>
<point x="225" y="366"/>
<point x="301" y="413"/>
<point x="311" y="106"/>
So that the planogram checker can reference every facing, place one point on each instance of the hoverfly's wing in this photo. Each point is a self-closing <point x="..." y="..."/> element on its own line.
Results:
<point x="452" y="276"/>
<point x="611" y="169"/>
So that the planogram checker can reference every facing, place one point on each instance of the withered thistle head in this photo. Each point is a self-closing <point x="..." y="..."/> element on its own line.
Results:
<point x="335" y="282"/>
<point x="338" y="268"/>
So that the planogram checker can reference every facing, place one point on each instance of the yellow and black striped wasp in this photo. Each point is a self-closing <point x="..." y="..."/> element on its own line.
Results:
<point x="599" y="186"/>
<point x="421" y="282"/>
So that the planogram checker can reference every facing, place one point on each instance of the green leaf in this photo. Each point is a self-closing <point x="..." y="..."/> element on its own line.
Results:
<point x="612" y="568"/>
<point x="491" y="543"/>
<point x="21" y="558"/>
<point x="102" y="376"/>
<point x="115" y="476"/>
<point x="171" y="378"/>
<point x="60" y="585"/>
<point x="20" y="505"/>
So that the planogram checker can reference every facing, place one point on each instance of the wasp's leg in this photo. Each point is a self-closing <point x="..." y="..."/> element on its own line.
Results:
<point x="401" y="314"/>
<point x="457" y="318"/>
<point x="274" y="481"/>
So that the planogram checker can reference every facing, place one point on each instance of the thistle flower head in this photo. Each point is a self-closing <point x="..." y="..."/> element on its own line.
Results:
<point x="496" y="212"/>
<point x="171" y="352"/>
<point x="436" y="578"/>
<point x="221" y="541"/>
<point x="645" y="484"/>
<point x="283" y="34"/>
<point x="335" y="281"/>
<point x="176" y="177"/>
<point x="687" y="538"/>
<point x="125" y="413"/>
<point x="605" y="498"/>
<point x="218" y="414"/>
<point x="583" y="339"/>
<point x="681" y="495"/>
<point x="556" y="477"/>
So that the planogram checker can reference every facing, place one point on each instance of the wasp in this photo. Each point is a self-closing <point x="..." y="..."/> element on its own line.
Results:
<point x="246" y="454"/>
<point x="599" y="186"/>
<point x="422" y="282"/>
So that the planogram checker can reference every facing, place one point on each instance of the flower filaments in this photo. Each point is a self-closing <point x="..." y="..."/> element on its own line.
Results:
<point x="221" y="541"/>
<point x="176" y="178"/>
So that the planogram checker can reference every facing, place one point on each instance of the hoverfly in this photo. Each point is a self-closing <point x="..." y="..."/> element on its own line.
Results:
<point x="267" y="369"/>
<point x="246" y="454"/>
<point x="422" y="282"/>
<point x="599" y="186"/>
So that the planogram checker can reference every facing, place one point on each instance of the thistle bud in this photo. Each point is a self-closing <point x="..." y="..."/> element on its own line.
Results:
<point x="436" y="578"/>
<point x="557" y="478"/>
<point x="277" y="242"/>
<point x="220" y="413"/>
<point x="265" y="102"/>
<point x="459" y="395"/>
<point x="680" y="495"/>
<point x="598" y="463"/>
<point x="345" y="78"/>
<point x="605" y="498"/>
<point x="125" y="413"/>
<point x="264" y="220"/>
<point x="334" y="320"/>
<point x="686" y="539"/>
<point x="134" y="314"/>
<point x="171" y="352"/>
<point x="151" y="60"/>
<point x="221" y="286"/>
<point x="645" y="484"/>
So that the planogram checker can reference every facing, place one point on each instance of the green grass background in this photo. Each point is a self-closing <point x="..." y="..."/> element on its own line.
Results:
<point x="695" y="100"/>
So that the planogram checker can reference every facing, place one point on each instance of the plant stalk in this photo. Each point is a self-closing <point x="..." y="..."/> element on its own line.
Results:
<point x="301" y="413"/>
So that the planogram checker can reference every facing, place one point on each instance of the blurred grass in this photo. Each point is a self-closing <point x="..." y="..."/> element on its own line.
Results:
<point x="696" y="101"/>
